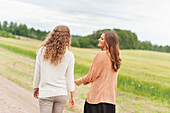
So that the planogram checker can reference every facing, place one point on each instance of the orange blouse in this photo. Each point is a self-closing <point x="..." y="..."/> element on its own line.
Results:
<point x="103" y="80"/>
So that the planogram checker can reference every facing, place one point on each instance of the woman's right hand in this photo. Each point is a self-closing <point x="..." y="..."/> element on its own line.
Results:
<point x="72" y="102"/>
<point x="78" y="81"/>
<point x="36" y="92"/>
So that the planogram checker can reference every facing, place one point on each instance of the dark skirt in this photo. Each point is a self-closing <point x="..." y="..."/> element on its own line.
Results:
<point x="99" y="108"/>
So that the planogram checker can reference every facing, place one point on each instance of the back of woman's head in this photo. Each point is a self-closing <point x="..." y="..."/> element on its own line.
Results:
<point x="112" y="47"/>
<point x="56" y="44"/>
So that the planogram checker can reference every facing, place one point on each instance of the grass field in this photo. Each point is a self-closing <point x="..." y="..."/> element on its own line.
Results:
<point x="143" y="80"/>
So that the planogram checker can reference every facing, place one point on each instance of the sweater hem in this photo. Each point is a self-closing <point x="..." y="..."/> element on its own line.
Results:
<point x="44" y="96"/>
<point x="101" y="101"/>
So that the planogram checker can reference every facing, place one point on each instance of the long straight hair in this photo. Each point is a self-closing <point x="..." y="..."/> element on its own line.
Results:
<point x="112" y="48"/>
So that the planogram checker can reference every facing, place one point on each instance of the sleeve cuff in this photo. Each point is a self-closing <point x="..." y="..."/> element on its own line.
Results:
<point x="83" y="81"/>
<point x="72" y="90"/>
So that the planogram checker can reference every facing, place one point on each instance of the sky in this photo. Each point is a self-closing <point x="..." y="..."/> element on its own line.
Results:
<point x="149" y="19"/>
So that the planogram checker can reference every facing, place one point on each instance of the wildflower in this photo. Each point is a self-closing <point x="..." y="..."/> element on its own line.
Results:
<point x="152" y="87"/>
<point x="132" y="82"/>
<point x="139" y="85"/>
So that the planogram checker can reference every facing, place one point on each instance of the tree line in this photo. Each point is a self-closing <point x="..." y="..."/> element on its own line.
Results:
<point x="10" y="28"/>
<point x="127" y="40"/>
<point x="22" y="30"/>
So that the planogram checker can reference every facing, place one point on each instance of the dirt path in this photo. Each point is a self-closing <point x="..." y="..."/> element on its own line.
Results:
<point x="15" y="99"/>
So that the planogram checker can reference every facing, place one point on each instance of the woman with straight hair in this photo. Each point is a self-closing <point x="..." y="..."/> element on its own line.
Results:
<point x="103" y="76"/>
<point x="54" y="72"/>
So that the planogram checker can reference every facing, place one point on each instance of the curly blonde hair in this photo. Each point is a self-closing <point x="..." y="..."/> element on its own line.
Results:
<point x="56" y="43"/>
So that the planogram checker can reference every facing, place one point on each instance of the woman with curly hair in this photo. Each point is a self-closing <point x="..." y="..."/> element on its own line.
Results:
<point x="54" y="72"/>
<point x="103" y="76"/>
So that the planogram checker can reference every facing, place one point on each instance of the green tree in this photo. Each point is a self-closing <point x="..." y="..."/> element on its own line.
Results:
<point x="11" y="27"/>
<point x="84" y="42"/>
<point x="32" y="33"/>
<point x="145" y="45"/>
<point x="0" y="26"/>
<point x="24" y="30"/>
<point x="5" y="34"/>
<point x="166" y="48"/>
<point x="155" y="47"/>
<point x="75" y="42"/>
<point x="127" y="39"/>
<point x="15" y="28"/>
<point x="39" y="35"/>
<point x="5" y="24"/>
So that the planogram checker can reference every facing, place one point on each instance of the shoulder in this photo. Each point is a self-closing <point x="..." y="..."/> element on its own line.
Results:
<point x="101" y="58"/>
<point x="40" y="50"/>
<point x="101" y="54"/>
<point x="69" y="54"/>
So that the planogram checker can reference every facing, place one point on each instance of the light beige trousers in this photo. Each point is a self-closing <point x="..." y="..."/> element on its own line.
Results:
<point x="54" y="104"/>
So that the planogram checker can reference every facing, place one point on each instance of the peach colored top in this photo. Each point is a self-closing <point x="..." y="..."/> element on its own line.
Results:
<point x="103" y="80"/>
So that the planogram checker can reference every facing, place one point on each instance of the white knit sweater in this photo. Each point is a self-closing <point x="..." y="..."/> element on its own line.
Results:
<point x="54" y="80"/>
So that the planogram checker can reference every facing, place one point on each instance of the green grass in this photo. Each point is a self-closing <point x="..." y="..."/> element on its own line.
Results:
<point x="146" y="89"/>
<point x="143" y="73"/>
<point x="27" y="53"/>
<point x="125" y="82"/>
<point x="82" y="96"/>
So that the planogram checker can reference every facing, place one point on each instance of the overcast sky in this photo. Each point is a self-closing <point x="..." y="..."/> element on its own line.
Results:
<point x="149" y="19"/>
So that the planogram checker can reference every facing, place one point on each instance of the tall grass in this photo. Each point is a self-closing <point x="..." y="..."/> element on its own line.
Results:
<point x="27" y="53"/>
<point x="125" y="83"/>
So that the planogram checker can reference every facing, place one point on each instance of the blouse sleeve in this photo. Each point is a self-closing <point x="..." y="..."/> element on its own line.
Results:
<point x="70" y="74"/>
<point x="37" y="72"/>
<point x="95" y="70"/>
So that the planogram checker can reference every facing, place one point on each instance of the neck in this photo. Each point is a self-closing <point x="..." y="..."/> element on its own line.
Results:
<point x="103" y="49"/>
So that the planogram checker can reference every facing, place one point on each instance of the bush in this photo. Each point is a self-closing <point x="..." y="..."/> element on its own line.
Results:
<point x="6" y="34"/>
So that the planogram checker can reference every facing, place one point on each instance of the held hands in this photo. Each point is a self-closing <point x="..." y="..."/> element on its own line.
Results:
<point x="36" y="92"/>
<point x="78" y="81"/>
